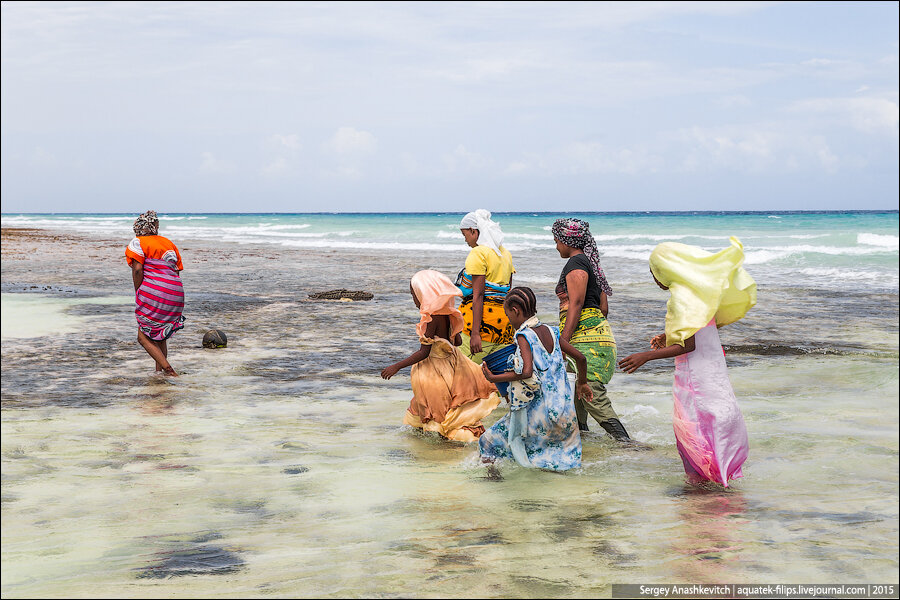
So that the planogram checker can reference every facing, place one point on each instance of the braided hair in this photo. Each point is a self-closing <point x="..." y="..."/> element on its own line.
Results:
<point x="523" y="299"/>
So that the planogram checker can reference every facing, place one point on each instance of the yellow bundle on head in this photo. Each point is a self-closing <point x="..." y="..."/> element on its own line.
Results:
<point x="703" y="286"/>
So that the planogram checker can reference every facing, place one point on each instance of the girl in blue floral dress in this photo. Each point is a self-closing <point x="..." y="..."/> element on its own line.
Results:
<point x="541" y="429"/>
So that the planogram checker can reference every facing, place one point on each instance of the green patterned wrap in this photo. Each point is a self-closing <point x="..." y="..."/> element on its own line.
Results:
<point x="595" y="340"/>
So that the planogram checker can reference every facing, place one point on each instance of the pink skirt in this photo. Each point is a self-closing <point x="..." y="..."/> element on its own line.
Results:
<point x="709" y="428"/>
<point x="159" y="300"/>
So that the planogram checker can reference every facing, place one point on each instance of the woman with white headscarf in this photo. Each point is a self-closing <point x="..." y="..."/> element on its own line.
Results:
<point x="484" y="282"/>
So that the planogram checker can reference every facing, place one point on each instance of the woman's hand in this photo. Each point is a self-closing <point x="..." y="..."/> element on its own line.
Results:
<point x="632" y="363"/>
<point x="658" y="342"/>
<point x="488" y="374"/>
<point x="475" y="342"/>
<point x="389" y="372"/>
<point x="584" y="392"/>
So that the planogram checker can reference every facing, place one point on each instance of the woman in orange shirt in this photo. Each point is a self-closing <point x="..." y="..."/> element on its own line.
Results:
<point x="159" y="296"/>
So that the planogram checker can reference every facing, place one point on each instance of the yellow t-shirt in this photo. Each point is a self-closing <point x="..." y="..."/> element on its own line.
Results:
<point x="484" y="261"/>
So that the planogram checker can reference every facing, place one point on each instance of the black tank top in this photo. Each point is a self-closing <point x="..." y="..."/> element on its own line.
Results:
<point x="593" y="291"/>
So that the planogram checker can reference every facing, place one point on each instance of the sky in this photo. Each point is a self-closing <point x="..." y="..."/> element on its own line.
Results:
<point x="381" y="107"/>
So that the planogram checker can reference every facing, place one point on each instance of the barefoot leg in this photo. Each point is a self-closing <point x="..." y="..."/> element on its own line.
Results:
<point x="155" y="353"/>
<point x="161" y="344"/>
<point x="165" y="351"/>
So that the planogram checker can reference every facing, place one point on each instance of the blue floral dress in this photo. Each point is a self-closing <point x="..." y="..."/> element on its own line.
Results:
<point x="541" y="429"/>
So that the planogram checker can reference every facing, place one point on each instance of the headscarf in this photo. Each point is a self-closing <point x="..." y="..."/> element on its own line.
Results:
<point x="703" y="286"/>
<point x="147" y="224"/>
<point x="437" y="296"/>
<point x="576" y="234"/>
<point x="489" y="233"/>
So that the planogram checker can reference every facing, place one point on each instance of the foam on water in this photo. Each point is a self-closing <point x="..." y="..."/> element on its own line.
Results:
<point x="874" y="239"/>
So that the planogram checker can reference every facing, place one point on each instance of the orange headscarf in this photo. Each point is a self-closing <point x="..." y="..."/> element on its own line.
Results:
<point x="437" y="296"/>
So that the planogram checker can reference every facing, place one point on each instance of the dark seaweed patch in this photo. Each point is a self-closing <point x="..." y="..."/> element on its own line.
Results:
<point x="201" y="560"/>
<point x="295" y="470"/>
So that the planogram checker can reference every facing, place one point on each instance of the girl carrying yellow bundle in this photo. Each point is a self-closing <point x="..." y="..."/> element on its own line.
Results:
<point x="707" y="291"/>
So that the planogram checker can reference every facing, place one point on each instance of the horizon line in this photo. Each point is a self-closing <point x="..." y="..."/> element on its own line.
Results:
<point x="523" y="212"/>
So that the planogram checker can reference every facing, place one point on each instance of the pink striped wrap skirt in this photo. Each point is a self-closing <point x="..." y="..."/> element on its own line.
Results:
<point x="160" y="300"/>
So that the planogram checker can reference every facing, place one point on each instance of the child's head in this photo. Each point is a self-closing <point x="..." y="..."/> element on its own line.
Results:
<point x="434" y="294"/>
<point x="520" y="305"/>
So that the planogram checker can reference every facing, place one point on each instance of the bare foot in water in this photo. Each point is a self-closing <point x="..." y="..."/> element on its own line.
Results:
<point x="169" y="371"/>
<point x="493" y="473"/>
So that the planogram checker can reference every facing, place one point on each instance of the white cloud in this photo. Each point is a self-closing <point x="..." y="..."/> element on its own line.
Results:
<point x="824" y="62"/>
<point x="733" y="101"/>
<point x="869" y="115"/>
<point x="461" y="159"/>
<point x="586" y="157"/>
<point x="210" y="164"/>
<point x="350" y="141"/>
<point x="291" y="141"/>
<point x="276" y="167"/>
<point x="42" y="157"/>
<point x="750" y="148"/>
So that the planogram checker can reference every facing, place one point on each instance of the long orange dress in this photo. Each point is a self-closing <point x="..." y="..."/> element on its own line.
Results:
<point x="450" y="392"/>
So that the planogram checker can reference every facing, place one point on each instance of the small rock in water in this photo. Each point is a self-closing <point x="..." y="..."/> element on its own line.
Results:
<point x="295" y="470"/>
<point x="215" y="338"/>
<point x="342" y="295"/>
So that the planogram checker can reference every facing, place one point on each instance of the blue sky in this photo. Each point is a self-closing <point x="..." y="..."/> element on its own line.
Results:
<point x="296" y="107"/>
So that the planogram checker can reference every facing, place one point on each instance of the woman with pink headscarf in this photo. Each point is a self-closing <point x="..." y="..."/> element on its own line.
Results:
<point x="450" y="392"/>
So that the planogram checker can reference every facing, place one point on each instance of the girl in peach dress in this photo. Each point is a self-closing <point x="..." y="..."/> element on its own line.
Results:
<point x="450" y="392"/>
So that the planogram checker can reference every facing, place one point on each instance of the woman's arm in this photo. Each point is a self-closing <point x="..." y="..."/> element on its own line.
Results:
<point x="631" y="363"/>
<point x="604" y="304"/>
<point x="137" y="274"/>
<point x="417" y="356"/>
<point x="576" y="285"/>
<point x="477" y="312"/>
<point x="505" y="376"/>
<point x="582" y="389"/>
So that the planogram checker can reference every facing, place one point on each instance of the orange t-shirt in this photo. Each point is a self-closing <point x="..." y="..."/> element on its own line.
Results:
<point x="152" y="246"/>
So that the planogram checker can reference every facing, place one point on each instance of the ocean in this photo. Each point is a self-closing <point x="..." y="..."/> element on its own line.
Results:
<point x="811" y="249"/>
<point x="279" y="465"/>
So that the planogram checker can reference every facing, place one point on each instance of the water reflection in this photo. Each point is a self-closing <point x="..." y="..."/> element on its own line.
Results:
<point x="710" y="536"/>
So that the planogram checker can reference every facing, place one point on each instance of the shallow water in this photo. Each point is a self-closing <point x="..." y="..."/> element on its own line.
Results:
<point x="278" y="465"/>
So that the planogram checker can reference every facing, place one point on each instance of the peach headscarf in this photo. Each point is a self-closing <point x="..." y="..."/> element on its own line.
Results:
<point x="437" y="296"/>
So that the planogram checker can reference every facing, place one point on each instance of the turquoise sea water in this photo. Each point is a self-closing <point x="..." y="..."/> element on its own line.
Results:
<point x="858" y="249"/>
<point x="279" y="465"/>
